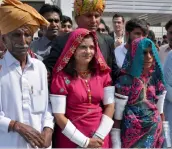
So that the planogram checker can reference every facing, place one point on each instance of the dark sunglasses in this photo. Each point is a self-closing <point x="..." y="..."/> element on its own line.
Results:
<point x="53" y="20"/>
<point x="101" y="30"/>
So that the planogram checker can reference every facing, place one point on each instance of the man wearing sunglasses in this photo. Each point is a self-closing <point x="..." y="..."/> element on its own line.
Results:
<point x="53" y="15"/>
<point x="103" y="28"/>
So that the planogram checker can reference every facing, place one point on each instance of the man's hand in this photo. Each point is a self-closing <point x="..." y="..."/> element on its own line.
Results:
<point x="47" y="134"/>
<point x="31" y="135"/>
<point x="95" y="143"/>
<point x="118" y="42"/>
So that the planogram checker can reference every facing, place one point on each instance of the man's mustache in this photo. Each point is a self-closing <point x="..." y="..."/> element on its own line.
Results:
<point x="21" y="46"/>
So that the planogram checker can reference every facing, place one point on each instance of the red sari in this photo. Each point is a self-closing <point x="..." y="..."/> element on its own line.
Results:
<point x="84" y="115"/>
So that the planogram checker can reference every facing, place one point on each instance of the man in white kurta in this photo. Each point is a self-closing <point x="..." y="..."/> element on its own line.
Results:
<point x="168" y="99"/>
<point x="25" y="115"/>
<point x="23" y="97"/>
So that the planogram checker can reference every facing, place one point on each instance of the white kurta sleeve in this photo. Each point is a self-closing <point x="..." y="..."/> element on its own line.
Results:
<point x="48" y="119"/>
<point x="168" y="76"/>
<point x="4" y="121"/>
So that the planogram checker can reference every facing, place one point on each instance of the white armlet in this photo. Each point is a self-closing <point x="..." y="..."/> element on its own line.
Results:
<point x="120" y="105"/>
<point x="166" y="128"/>
<point x="104" y="127"/>
<point x="71" y="132"/>
<point x="160" y="103"/>
<point x="120" y="96"/>
<point x="109" y="96"/>
<point x="116" y="138"/>
<point x="58" y="103"/>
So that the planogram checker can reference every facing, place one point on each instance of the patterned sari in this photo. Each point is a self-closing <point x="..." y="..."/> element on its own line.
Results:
<point x="141" y="126"/>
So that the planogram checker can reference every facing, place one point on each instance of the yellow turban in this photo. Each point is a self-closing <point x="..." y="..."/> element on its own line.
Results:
<point x="14" y="14"/>
<point x="83" y="6"/>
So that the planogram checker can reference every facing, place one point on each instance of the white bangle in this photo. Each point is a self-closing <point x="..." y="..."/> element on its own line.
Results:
<point x="160" y="103"/>
<point x="71" y="132"/>
<point x="166" y="128"/>
<point x="109" y="92"/>
<point x="69" y="129"/>
<point x="87" y="143"/>
<point x="116" y="138"/>
<point x="119" y="107"/>
<point x="104" y="127"/>
<point x="121" y="96"/>
<point x="79" y="138"/>
<point x="58" y="103"/>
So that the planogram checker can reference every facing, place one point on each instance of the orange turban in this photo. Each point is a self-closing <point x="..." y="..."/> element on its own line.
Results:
<point x="83" y="6"/>
<point x="14" y="14"/>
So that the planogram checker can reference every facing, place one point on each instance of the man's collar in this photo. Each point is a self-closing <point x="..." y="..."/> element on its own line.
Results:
<point x="120" y="36"/>
<point x="10" y="59"/>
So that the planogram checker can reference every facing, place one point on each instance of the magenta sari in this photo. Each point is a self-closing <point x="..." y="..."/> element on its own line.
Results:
<point x="84" y="115"/>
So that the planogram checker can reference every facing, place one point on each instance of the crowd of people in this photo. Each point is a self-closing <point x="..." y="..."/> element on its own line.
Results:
<point x="84" y="87"/>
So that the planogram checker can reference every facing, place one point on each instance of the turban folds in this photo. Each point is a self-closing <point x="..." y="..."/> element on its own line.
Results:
<point x="83" y="6"/>
<point x="14" y="14"/>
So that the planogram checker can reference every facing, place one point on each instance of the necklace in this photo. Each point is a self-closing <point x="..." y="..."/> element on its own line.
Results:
<point x="88" y="90"/>
<point x="84" y="74"/>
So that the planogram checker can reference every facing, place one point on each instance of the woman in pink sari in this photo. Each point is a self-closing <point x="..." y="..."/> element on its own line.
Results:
<point x="81" y="83"/>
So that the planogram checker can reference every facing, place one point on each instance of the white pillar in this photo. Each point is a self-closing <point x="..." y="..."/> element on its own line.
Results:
<point x="49" y="2"/>
<point x="66" y="7"/>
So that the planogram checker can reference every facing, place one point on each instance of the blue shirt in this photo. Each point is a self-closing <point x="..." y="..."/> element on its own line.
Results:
<point x="41" y="46"/>
<point x="168" y="75"/>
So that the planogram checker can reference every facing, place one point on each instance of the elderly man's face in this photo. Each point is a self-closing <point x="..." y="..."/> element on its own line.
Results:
<point x="18" y="41"/>
<point x="90" y="20"/>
